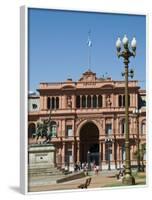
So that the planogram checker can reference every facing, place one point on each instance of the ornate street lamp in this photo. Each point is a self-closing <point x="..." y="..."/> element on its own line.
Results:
<point x="136" y="113"/>
<point x="126" y="53"/>
<point x="108" y="142"/>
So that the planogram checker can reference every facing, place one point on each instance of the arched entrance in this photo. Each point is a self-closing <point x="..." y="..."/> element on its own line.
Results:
<point x="89" y="143"/>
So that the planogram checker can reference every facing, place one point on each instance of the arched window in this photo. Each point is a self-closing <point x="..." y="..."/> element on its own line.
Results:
<point x="83" y="101"/>
<point x="48" y="103"/>
<point x="89" y="101"/>
<point x="123" y="152"/>
<point x="53" y="103"/>
<point x="78" y="101"/>
<point x="94" y="101"/>
<point x="53" y="129"/>
<point x="120" y="101"/>
<point x="123" y="100"/>
<point x="122" y="127"/>
<point x="99" y="101"/>
<point x="31" y="130"/>
<point x="128" y="100"/>
<point x="57" y="102"/>
<point x="143" y="127"/>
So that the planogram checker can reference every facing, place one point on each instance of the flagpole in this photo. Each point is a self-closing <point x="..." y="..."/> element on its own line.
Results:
<point x="89" y="43"/>
<point x="89" y="58"/>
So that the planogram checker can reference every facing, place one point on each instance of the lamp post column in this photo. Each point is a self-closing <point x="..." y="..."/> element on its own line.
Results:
<point x="127" y="145"/>
<point x="126" y="53"/>
<point x="138" y="145"/>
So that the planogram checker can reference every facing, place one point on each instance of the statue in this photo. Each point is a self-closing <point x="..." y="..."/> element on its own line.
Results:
<point x="69" y="101"/>
<point x="108" y="101"/>
<point x="43" y="130"/>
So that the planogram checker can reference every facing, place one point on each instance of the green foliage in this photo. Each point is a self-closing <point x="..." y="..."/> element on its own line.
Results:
<point x="141" y="152"/>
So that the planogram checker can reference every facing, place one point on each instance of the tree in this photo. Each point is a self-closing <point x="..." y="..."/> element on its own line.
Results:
<point x="140" y="153"/>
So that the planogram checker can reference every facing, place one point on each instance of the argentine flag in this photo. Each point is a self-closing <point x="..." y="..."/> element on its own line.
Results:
<point x="89" y="43"/>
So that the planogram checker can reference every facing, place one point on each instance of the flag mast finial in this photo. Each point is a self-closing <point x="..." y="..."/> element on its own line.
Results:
<point x="89" y="44"/>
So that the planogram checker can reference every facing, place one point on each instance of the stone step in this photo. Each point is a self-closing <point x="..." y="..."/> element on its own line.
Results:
<point x="47" y="180"/>
<point x="44" y="180"/>
<point x="44" y="169"/>
<point x="44" y="172"/>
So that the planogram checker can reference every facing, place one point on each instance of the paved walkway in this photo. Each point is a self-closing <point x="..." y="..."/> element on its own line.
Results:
<point x="97" y="181"/>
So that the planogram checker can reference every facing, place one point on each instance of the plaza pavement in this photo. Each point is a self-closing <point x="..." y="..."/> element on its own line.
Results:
<point x="98" y="181"/>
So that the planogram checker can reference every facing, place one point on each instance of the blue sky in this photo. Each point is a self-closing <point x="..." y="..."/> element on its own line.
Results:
<point x="58" y="45"/>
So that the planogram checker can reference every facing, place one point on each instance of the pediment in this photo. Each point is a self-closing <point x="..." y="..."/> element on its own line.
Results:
<point x="88" y="76"/>
<point x="68" y="87"/>
<point x="107" y="86"/>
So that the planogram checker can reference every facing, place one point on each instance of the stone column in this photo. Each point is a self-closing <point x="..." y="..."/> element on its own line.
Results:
<point x="97" y="101"/>
<point x="112" y="100"/>
<point x="116" y="126"/>
<point x="60" y="102"/>
<point x="104" y="151"/>
<point x="45" y="102"/>
<point x="113" y="152"/>
<point x="113" y="126"/>
<point x="73" y="128"/>
<point x="41" y="103"/>
<point x="80" y="101"/>
<point x="63" y="154"/>
<point x="134" y="150"/>
<point x="60" y="157"/>
<point x="73" y="154"/>
<point x="73" y="101"/>
<point x="118" y="154"/>
<point x="86" y="100"/>
<point x="131" y="103"/>
<point x="134" y="100"/>
<point x="104" y="101"/>
<point x="121" y="154"/>
<point x="100" y="152"/>
<point x="91" y="101"/>
<point x="116" y="101"/>
<point x="64" y="102"/>
<point x="104" y="126"/>
<point x="131" y="153"/>
<point x="59" y="129"/>
<point x="78" y="151"/>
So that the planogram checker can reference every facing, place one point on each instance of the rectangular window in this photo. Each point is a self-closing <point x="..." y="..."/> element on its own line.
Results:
<point x="123" y="128"/>
<point x="108" y="129"/>
<point x="108" y="152"/>
<point x="53" y="130"/>
<point x="69" y="131"/>
<point x="143" y="128"/>
<point x="68" y="155"/>
<point x="123" y="152"/>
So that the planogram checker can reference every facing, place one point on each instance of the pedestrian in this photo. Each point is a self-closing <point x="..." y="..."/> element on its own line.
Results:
<point x="97" y="169"/>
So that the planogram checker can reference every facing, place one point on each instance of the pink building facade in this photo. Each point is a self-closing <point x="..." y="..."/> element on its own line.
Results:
<point x="88" y="120"/>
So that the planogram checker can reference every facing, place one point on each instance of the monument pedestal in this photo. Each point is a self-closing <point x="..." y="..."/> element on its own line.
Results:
<point x="41" y="158"/>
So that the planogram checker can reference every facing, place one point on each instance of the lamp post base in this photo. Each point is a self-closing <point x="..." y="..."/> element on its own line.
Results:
<point x="128" y="180"/>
